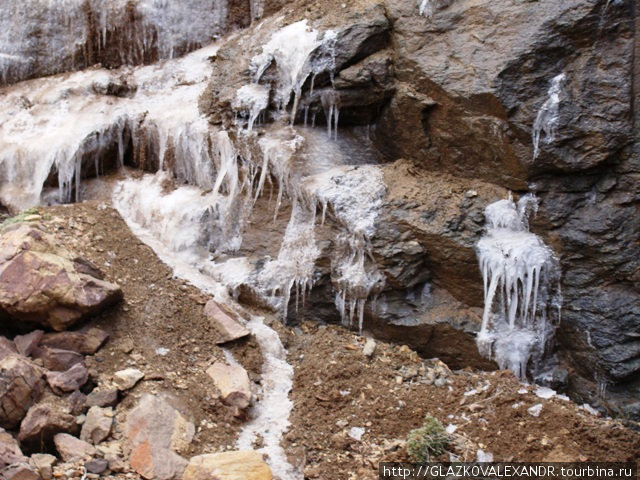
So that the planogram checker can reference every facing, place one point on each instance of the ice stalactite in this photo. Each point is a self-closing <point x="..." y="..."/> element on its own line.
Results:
<point x="548" y="115"/>
<point x="330" y="100"/>
<point x="251" y="101"/>
<point x="521" y="288"/>
<point x="425" y="7"/>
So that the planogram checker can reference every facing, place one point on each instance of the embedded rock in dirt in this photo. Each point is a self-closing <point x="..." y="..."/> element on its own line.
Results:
<point x="21" y="385"/>
<point x="45" y="420"/>
<point x="72" y="448"/>
<point x="127" y="379"/>
<point x="233" y="383"/>
<point x="40" y="283"/>
<point x="225" y="321"/>
<point x="84" y="342"/>
<point x="102" y="398"/>
<point x="9" y="450"/>
<point x="69" y="380"/>
<point x="240" y="465"/>
<point x="156" y="432"/>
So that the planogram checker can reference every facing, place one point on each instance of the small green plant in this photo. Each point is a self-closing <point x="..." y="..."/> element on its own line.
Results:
<point x="20" y="217"/>
<point x="428" y="441"/>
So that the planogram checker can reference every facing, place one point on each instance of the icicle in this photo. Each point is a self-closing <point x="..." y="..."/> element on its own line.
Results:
<point x="330" y="100"/>
<point x="548" y="117"/>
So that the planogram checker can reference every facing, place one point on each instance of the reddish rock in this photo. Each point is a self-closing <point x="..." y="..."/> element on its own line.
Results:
<point x="9" y="450"/>
<point x="39" y="282"/>
<point x="58" y="360"/>
<point x="72" y="448"/>
<point x="21" y="385"/>
<point x="69" y="381"/>
<point x="84" y="342"/>
<point x="44" y="421"/>
<point x="27" y="344"/>
<point x="225" y="321"/>
<point x="97" y="426"/>
<point x="156" y="431"/>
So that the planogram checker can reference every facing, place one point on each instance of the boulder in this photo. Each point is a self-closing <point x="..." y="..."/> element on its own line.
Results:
<point x="69" y="381"/>
<point x="97" y="426"/>
<point x="102" y="398"/>
<point x="225" y="321"/>
<point x="27" y="344"/>
<point x="45" y="420"/>
<point x="39" y="282"/>
<point x="21" y="385"/>
<point x="19" y="471"/>
<point x="83" y="342"/>
<point x="156" y="432"/>
<point x="72" y="448"/>
<point x="9" y="450"/>
<point x="43" y="464"/>
<point x="239" y="465"/>
<point x="233" y="383"/>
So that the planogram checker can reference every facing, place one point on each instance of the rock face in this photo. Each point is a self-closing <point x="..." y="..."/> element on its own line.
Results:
<point x="156" y="431"/>
<point x="42" y="284"/>
<point x="242" y="465"/>
<point x="21" y="385"/>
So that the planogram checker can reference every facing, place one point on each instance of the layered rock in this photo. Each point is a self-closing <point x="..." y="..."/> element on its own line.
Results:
<point x="43" y="284"/>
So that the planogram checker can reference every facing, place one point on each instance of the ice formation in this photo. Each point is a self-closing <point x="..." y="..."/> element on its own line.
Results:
<point x="330" y="100"/>
<point x="548" y="115"/>
<point x="251" y="101"/>
<point x="521" y="288"/>
<point x="63" y="35"/>
<point x="425" y="7"/>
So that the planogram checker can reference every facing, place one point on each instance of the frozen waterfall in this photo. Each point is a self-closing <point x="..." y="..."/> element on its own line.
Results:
<point x="548" y="115"/>
<point x="521" y="288"/>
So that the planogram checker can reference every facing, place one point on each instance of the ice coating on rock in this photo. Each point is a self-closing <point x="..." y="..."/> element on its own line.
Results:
<point x="548" y="115"/>
<point x="63" y="35"/>
<point x="251" y="101"/>
<point x="161" y="108"/>
<point x="521" y="288"/>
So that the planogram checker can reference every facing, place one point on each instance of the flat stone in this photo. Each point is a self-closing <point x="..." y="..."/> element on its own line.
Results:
<point x="72" y="448"/>
<point x="225" y="321"/>
<point x="128" y="378"/>
<point x="57" y="359"/>
<point x="233" y="383"/>
<point x="238" y="465"/>
<point x="97" y="465"/>
<point x="98" y="425"/>
<point x="43" y="464"/>
<point x="156" y="432"/>
<point x="83" y="342"/>
<point x="26" y="344"/>
<point x="45" y="420"/>
<point x="68" y="381"/>
<point x="21" y="385"/>
<point x="9" y="450"/>
<point x="102" y="398"/>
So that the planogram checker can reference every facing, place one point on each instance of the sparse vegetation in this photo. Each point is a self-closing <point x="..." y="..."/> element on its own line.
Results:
<point x="20" y="217"/>
<point x="428" y="441"/>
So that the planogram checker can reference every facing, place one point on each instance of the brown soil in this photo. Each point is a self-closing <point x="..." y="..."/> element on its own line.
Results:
<point x="335" y="386"/>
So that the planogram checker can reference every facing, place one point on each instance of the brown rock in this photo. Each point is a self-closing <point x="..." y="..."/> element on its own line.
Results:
<point x="9" y="450"/>
<point x="39" y="282"/>
<point x="225" y="321"/>
<point x="240" y="465"/>
<point x="68" y="381"/>
<point x="70" y="447"/>
<point x="102" y="398"/>
<point x="7" y="347"/>
<point x="128" y="378"/>
<point x="44" y="421"/>
<point x="58" y="360"/>
<point x="84" y="342"/>
<point x="233" y="383"/>
<point x="19" y="471"/>
<point x="26" y="344"/>
<point x="97" y="465"/>
<point x="20" y="386"/>
<point x="156" y="431"/>
<point x="43" y="464"/>
<point x="97" y="426"/>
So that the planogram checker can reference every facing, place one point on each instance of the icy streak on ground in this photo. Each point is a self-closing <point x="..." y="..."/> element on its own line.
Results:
<point x="35" y="118"/>
<point x="521" y="277"/>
